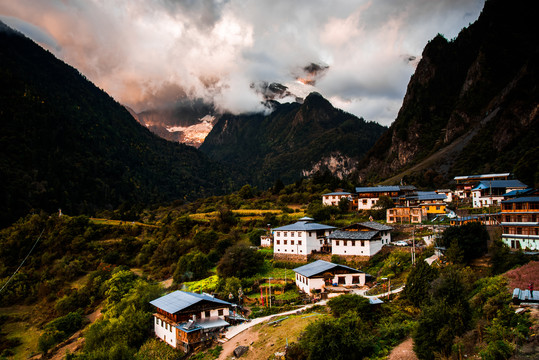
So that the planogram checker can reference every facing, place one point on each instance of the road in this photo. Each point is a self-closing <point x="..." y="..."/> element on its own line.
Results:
<point x="236" y="329"/>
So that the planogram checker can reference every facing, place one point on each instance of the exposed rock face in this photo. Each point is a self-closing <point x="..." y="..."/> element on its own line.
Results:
<point x="472" y="104"/>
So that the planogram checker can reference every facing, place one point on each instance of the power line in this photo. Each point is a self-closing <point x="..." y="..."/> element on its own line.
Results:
<point x="22" y="263"/>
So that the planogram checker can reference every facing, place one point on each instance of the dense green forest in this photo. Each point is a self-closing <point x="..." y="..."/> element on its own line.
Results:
<point x="67" y="144"/>
<point x="291" y="139"/>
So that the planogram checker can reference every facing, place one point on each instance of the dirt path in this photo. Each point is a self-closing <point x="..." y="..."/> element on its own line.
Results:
<point x="246" y="338"/>
<point x="403" y="351"/>
<point x="76" y="341"/>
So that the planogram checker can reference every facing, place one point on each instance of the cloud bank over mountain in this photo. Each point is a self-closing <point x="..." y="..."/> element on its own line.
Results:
<point x="149" y="54"/>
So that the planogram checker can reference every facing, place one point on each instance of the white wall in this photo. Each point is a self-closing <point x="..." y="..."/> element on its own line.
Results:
<point x="280" y="247"/>
<point x="167" y="332"/>
<point x="369" y="248"/>
<point x="370" y="202"/>
<point x="214" y="313"/>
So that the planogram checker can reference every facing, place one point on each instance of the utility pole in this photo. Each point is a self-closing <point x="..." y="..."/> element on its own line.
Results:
<point x="413" y="245"/>
<point x="269" y="292"/>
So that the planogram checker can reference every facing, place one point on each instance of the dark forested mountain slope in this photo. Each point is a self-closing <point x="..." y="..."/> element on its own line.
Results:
<point x="66" y="144"/>
<point x="472" y="105"/>
<point x="292" y="141"/>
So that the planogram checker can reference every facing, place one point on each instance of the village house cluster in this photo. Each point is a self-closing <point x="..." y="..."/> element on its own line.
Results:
<point x="184" y="320"/>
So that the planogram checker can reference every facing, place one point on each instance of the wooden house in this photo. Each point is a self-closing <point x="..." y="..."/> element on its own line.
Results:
<point x="184" y="320"/>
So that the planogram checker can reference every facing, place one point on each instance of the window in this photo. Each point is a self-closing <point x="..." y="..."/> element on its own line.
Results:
<point x="220" y="312"/>
<point x="341" y="280"/>
<point x="362" y="242"/>
<point x="285" y="242"/>
<point x="291" y="242"/>
<point x="207" y="313"/>
<point x="336" y="242"/>
<point x="292" y="233"/>
<point x="310" y="233"/>
<point x="355" y="279"/>
<point x="519" y="231"/>
<point x="285" y="233"/>
<point x="345" y="242"/>
<point x="299" y="242"/>
<point x="299" y="233"/>
<point x="278" y="242"/>
<point x="278" y="233"/>
<point x="157" y="321"/>
<point x="166" y="326"/>
<point x="353" y="243"/>
<point x="364" y="201"/>
<point x="161" y="323"/>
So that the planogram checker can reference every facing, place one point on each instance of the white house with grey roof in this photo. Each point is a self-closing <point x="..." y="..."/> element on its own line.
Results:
<point x="332" y="199"/>
<point x="185" y="319"/>
<point x="320" y="274"/>
<point x="361" y="239"/>
<point x="296" y="241"/>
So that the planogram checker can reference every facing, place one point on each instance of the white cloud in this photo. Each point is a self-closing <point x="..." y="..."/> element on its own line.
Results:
<point x="150" y="53"/>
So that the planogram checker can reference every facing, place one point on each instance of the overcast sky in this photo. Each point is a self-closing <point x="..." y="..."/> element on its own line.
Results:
<point x="148" y="53"/>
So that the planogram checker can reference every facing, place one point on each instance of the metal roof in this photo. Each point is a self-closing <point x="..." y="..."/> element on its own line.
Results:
<point x="377" y="189"/>
<point x="522" y="200"/>
<point x="179" y="300"/>
<point x="516" y="192"/>
<point x="337" y="193"/>
<point x="352" y="235"/>
<point x="500" y="184"/>
<point x="375" y="225"/>
<point x="304" y="225"/>
<point x="426" y="195"/>
<point x="320" y="266"/>
<point x="480" y="176"/>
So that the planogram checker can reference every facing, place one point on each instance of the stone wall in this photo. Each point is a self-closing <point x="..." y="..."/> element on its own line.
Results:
<point x="289" y="257"/>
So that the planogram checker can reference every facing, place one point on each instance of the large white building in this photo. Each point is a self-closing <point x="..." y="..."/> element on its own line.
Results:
<point x="296" y="241"/>
<point x="319" y="274"/>
<point x="362" y="239"/>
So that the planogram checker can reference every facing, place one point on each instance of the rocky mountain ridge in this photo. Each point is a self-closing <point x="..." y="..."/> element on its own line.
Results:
<point x="470" y="107"/>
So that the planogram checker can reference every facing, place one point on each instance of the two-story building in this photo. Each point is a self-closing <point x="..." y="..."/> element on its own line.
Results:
<point x="295" y="242"/>
<point x="466" y="183"/>
<point x="520" y="221"/>
<point x="320" y="274"/>
<point x="492" y="192"/>
<point x="183" y="319"/>
<point x="332" y="199"/>
<point x="369" y="196"/>
<point x="361" y="239"/>
<point x="406" y="214"/>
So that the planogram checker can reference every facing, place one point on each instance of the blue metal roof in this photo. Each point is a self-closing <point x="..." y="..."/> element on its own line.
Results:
<point x="516" y="192"/>
<point x="304" y="225"/>
<point x="337" y="193"/>
<point x="522" y="200"/>
<point x="426" y="195"/>
<point x="320" y="266"/>
<point x="377" y="189"/>
<point x="179" y="300"/>
<point x="500" y="184"/>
